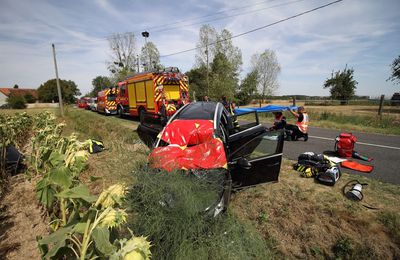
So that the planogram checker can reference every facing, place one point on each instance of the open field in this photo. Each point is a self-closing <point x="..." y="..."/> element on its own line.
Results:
<point x="295" y="218"/>
<point x="362" y="118"/>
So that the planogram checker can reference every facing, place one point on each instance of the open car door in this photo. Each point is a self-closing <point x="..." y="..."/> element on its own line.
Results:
<point x="150" y="127"/>
<point x="258" y="160"/>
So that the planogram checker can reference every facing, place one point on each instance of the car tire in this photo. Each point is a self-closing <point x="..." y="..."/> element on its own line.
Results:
<point x="120" y="112"/>
<point x="220" y="205"/>
<point x="141" y="115"/>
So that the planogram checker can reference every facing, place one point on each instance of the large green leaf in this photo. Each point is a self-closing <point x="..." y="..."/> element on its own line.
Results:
<point x="80" y="227"/>
<point x="45" y="194"/>
<point x="80" y="164"/>
<point x="78" y="192"/>
<point x="45" y="155"/>
<point x="60" y="234"/>
<point x="56" y="240"/>
<point x="56" y="158"/>
<point x="61" y="176"/>
<point x="101" y="237"/>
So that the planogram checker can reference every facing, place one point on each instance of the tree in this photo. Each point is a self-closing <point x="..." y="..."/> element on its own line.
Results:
<point x="198" y="82"/>
<point x="150" y="57"/>
<point x="205" y="47"/>
<point x="48" y="91"/>
<point x="16" y="101"/>
<point x="16" y="86"/>
<point x="395" y="67"/>
<point x="123" y="59"/>
<point x="224" y="80"/>
<point x="225" y="45"/>
<point x="267" y="67"/>
<point x="247" y="88"/>
<point x="221" y="60"/>
<point x="342" y="84"/>
<point x="99" y="83"/>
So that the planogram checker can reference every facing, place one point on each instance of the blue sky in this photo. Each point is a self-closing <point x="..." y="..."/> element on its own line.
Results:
<point x="364" y="34"/>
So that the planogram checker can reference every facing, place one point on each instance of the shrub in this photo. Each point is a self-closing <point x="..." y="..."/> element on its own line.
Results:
<point x="16" y="101"/>
<point x="30" y="98"/>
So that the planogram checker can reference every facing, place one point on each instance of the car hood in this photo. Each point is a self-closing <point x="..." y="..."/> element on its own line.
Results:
<point x="191" y="145"/>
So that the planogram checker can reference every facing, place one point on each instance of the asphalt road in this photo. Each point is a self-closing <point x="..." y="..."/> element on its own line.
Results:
<point x="384" y="149"/>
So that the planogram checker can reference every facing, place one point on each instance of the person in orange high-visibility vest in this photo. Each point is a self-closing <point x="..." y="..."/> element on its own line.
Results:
<point x="301" y="128"/>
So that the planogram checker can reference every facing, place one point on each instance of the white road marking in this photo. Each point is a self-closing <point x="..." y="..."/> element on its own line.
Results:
<point x="376" y="145"/>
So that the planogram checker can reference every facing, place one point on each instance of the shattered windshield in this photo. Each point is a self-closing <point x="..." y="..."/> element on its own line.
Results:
<point x="199" y="110"/>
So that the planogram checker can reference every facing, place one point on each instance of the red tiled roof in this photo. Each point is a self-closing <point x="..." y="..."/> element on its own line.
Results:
<point x="19" y="91"/>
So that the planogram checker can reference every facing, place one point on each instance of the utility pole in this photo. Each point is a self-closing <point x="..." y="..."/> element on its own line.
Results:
<point x="58" y="82"/>
<point x="137" y="63"/>
<point x="208" y="84"/>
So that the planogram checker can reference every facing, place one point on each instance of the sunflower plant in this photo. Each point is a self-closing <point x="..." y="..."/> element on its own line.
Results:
<point x="89" y="236"/>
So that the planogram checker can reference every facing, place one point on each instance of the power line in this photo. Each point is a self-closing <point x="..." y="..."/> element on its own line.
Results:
<point x="168" y="27"/>
<point x="228" y="16"/>
<point x="256" y="29"/>
<point x="208" y="15"/>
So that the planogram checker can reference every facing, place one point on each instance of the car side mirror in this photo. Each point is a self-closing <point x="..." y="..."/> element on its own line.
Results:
<point x="244" y="163"/>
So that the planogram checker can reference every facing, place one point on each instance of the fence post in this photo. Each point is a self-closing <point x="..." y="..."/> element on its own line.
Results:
<point x="294" y="101"/>
<point x="381" y="105"/>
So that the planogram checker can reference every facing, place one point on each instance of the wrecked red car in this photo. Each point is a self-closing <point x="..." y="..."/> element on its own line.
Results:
<point x="200" y="138"/>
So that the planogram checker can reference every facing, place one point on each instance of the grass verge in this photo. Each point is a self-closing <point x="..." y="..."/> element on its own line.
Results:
<point x="307" y="219"/>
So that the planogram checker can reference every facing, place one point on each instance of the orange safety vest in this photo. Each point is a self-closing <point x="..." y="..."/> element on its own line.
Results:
<point x="170" y="109"/>
<point x="303" y="125"/>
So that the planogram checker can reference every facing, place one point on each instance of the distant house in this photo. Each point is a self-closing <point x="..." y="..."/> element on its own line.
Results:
<point x="6" y="92"/>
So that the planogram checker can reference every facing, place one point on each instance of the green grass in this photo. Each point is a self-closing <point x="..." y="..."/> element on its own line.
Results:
<point x="391" y="220"/>
<point x="368" y="123"/>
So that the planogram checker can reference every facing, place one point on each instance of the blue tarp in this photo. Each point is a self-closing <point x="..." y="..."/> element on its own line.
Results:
<point x="269" y="108"/>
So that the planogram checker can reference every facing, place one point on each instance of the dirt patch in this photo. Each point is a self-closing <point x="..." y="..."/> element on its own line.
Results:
<point x="22" y="221"/>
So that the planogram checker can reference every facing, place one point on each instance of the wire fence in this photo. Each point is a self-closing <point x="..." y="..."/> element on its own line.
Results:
<point x="359" y="102"/>
<point x="374" y="106"/>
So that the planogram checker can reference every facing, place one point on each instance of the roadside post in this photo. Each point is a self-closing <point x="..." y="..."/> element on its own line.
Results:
<point x="58" y="82"/>
<point x="381" y="105"/>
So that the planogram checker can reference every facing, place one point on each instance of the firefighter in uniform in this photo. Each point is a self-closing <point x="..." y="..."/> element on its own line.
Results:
<point x="231" y="110"/>
<point x="170" y="108"/>
<point x="301" y="128"/>
<point x="279" y="121"/>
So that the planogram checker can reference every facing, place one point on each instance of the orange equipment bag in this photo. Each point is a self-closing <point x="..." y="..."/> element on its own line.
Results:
<point x="357" y="166"/>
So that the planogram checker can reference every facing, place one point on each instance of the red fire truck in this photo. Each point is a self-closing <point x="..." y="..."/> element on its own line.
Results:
<point x="152" y="92"/>
<point x="83" y="102"/>
<point x="106" y="101"/>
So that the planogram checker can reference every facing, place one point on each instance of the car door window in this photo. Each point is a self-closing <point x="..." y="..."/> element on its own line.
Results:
<point x="247" y="121"/>
<point x="260" y="146"/>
